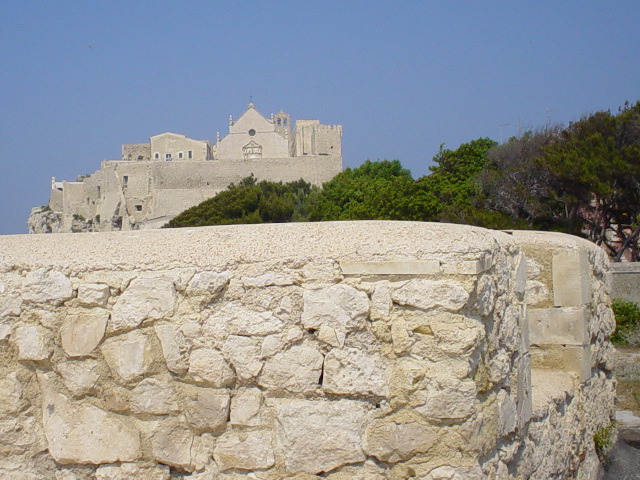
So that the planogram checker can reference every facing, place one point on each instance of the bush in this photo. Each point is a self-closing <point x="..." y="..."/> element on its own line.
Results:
<point x="627" y="322"/>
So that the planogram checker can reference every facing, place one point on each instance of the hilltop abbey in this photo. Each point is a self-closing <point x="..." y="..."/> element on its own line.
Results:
<point x="153" y="182"/>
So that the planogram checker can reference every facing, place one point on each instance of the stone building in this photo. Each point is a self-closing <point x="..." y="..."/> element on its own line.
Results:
<point x="153" y="182"/>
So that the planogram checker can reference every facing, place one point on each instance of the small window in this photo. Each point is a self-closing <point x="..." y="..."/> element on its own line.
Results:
<point x="284" y="122"/>
<point x="125" y="181"/>
<point x="157" y="156"/>
<point x="138" y="208"/>
<point x="179" y="154"/>
<point x="167" y="157"/>
<point x="190" y="153"/>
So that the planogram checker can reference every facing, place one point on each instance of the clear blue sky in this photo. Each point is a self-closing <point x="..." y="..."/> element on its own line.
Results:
<point x="79" y="78"/>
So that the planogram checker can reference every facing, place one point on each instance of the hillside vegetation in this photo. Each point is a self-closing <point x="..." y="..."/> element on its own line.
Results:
<point x="582" y="179"/>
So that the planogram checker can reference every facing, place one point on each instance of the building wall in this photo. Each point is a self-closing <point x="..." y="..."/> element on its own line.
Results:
<point x="341" y="349"/>
<point x="178" y="147"/>
<point x="136" y="152"/>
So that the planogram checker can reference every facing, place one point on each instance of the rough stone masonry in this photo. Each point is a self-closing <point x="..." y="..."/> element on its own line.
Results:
<point x="351" y="350"/>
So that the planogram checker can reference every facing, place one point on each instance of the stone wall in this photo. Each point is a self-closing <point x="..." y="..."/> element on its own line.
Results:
<point x="625" y="281"/>
<point x="351" y="350"/>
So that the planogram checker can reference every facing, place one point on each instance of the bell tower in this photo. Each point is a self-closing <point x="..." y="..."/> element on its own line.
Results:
<point x="281" y="124"/>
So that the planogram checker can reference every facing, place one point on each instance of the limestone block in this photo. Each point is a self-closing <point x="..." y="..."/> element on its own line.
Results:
<point x="206" y="409"/>
<point x="331" y="336"/>
<point x="245" y="407"/>
<point x="171" y="443"/>
<point x="11" y="400"/>
<point x="244" y="450"/>
<point x="144" y="299"/>
<point x="356" y="372"/>
<point x="398" y="267"/>
<point x="381" y="301"/>
<point x="244" y="355"/>
<point x="33" y="342"/>
<point x="524" y="391"/>
<point x="507" y="413"/>
<point x="129" y="356"/>
<point x="128" y="471"/>
<point x="510" y="324"/>
<point x="153" y="396"/>
<point x="207" y="365"/>
<point x="170" y="339"/>
<point x="535" y="293"/>
<point x="340" y="306"/>
<point x="525" y="331"/>
<point x="457" y="334"/>
<point x="84" y="433"/>
<point x="93" y="294"/>
<point x="79" y="376"/>
<point x="208" y="283"/>
<point x="468" y="267"/>
<point x="571" y="278"/>
<point x="558" y="326"/>
<point x="320" y="436"/>
<point x="448" y="399"/>
<point x="268" y="279"/>
<point x="5" y="330"/>
<point x="10" y="305"/>
<point x="393" y="442"/>
<point x="400" y="335"/>
<point x="47" y="287"/>
<point x="235" y="319"/>
<point x="500" y="367"/>
<point x="577" y="359"/>
<point x="447" y="472"/>
<point x="296" y="370"/>
<point x="521" y="275"/>
<point x="486" y="291"/>
<point x="427" y="294"/>
<point x="81" y="333"/>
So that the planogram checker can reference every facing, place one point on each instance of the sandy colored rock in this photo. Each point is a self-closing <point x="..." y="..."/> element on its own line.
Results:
<point x="355" y="372"/>
<point x="297" y="370"/>
<point x="206" y="409"/>
<point x="393" y="442"/>
<point x="171" y="443"/>
<point x="129" y="356"/>
<point x="428" y="294"/>
<point x="154" y="397"/>
<point x="251" y="450"/>
<point x="81" y="333"/>
<point x="144" y="299"/>
<point x="208" y="283"/>
<point x="79" y="376"/>
<point x="207" y="365"/>
<point x="33" y="342"/>
<point x="93" y="294"/>
<point x="244" y="355"/>
<point x="341" y="307"/>
<point x="47" y="287"/>
<point x="170" y="339"/>
<point x="245" y="407"/>
<point x="129" y="471"/>
<point x="448" y="399"/>
<point x="235" y="319"/>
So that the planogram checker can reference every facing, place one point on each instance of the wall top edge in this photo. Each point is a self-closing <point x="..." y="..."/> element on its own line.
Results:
<point x="210" y="247"/>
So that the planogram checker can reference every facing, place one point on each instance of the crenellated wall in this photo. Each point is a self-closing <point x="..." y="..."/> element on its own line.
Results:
<point x="347" y="350"/>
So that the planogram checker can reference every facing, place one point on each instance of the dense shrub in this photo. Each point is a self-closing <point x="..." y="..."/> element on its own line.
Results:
<point x="627" y="322"/>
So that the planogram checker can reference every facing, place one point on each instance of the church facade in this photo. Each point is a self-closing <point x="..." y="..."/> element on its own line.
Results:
<point x="155" y="181"/>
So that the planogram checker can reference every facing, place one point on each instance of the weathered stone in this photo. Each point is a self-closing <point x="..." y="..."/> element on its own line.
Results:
<point x="79" y="376"/>
<point x="129" y="356"/>
<point x="341" y="307"/>
<point x="235" y="319"/>
<point x="355" y="372"/>
<point x="171" y="443"/>
<point x="47" y="287"/>
<point x="331" y="436"/>
<point x="207" y="365"/>
<point x="428" y="294"/>
<point x="268" y="279"/>
<point x="536" y="293"/>
<point x="128" y="471"/>
<point x="486" y="294"/>
<point x="144" y="299"/>
<point x="393" y="442"/>
<point x="83" y="332"/>
<point x="457" y="334"/>
<point x="447" y="472"/>
<point x="10" y="305"/>
<point x="170" y="339"/>
<point x="400" y="336"/>
<point x="11" y="400"/>
<point x="448" y="399"/>
<point x="244" y="354"/>
<point x="244" y="450"/>
<point x="208" y="283"/>
<point x="559" y="326"/>
<point x="397" y="267"/>
<point x="297" y="370"/>
<point x="84" y="433"/>
<point x="381" y="301"/>
<point x="245" y="407"/>
<point x="206" y="409"/>
<point x="5" y="330"/>
<point x="571" y="278"/>
<point x="33" y="342"/>
<point x="331" y="336"/>
<point x="154" y="397"/>
<point x="93" y="294"/>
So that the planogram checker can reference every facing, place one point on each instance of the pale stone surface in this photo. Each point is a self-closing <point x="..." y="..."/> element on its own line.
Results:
<point x="536" y="292"/>
<point x="208" y="283"/>
<point x="10" y="305"/>
<point x="245" y="407"/>
<point x="144" y="299"/>
<point x="341" y="307"/>
<point x="448" y="399"/>
<point x="507" y="413"/>
<point x="331" y="336"/>
<point x="486" y="293"/>
<point x="46" y="286"/>
<point x="129" y="356"/>
<point x="84" y="433"/>
<point x="244" y="450"/>
<point x="33" y="342"/>
<point x="170" y="339"/>
<point x="244" y="355"/>
<point x="353" y="371"/>
<point x="235" y="319"/>
<point x="206" y="409"/>
<point x="331" y="437"/>
<point x="171" y="443"/>
<point x="427" y="294"/>
<point x="93" y="294"/>
<point x="81" y="333"/>
<point x="11" y="400"/>
<point x="381" y="301"/>
<point x="457" y="334"/>
<point x="393" y="442"/>
<point x="560" y="326"/>
<point x="209" y="366"/>
<point x="397" y="267"/>
<point x="571" y="278"/>
<point x="129" y="471"/>
<point x="154" y="397"/>
<point x="447" y="472"/>
<point x="79" y="376"/>
<point x="297" y="370"/>
<point x="267" y="280"/>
